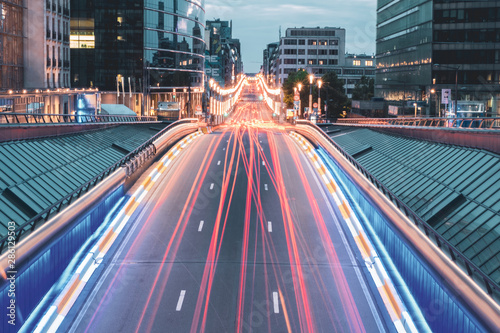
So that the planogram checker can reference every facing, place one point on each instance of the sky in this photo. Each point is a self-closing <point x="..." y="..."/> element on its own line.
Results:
<point x="256" y="22"/>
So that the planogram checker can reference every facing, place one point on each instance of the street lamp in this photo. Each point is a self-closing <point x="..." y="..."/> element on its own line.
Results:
<point x="456" y="83"/>
<point x="300" y="100"/>
<point x="311" y="80"/>
<point x="319" y="96"/>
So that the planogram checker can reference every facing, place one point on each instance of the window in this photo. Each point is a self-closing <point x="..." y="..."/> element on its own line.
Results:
<point x="333" y="62"/>
<point x="333" y="52"/>
<point x="302" y="51"/>
<point x="302" y="42"/>
<point x="290" y="51"/>
<point x="323" y="42"/>
<point x="290" y="42"/>
<point x="312" y="42"/>
<point x="290" y="61"/>
<point x="312" y="62"/>
<point x="356" y="62"/>
<point x="369" y="63"/>
<point x="301" y="61"/>
<point x="334" y="42"/>
<point x="322" y="52"/>
<point x="322" y="62"/>
<point x="312" y="52"/>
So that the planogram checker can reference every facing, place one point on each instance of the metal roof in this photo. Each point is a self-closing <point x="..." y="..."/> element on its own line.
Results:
<point x="455" y="189"/>
<point x="37" y="173"/>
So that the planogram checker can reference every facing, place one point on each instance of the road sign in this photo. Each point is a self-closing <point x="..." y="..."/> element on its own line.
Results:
<point x="445" y="96"/>
<point x="296" y="97"/>
<point x="315" y="105"/>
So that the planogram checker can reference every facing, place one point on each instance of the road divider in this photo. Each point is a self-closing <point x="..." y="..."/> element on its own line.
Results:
<point x="60" y="308"/>
<point x="392" y="301"/>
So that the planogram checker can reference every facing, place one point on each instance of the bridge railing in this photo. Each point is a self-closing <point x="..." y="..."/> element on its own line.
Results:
<point x="143" y="152"/>
<point x="457" y="256"/>
<point x="464" y="123"/>
<point x="46" y="118"/>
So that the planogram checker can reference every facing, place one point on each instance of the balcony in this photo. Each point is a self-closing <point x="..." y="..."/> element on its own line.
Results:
<point x="49" y="62"/>
<point x="54" y="7"/>
<point x="59" y="36"/>
<point x="66" y="11"/>
<point x="59" y="63"/>
<point x="48" y="4"/>
<point x="66" y="64"/>
<point x="66" y="38"/>
<point x="59" y="10"/>
<point x="48" y="34"/>
<point x="54" y="62"/>
<point x="54" y="35"/>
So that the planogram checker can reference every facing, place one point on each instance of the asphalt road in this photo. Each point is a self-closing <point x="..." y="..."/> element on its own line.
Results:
<point x="238" y="235"/>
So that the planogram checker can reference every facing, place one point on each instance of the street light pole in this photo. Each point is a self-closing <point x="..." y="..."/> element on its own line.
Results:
<point x="319" y="97"/>
<point x="311" y="80"/>
<point x="300" y="100"/>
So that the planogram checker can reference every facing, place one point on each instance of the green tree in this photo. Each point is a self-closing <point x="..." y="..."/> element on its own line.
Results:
<point x="333" y="95"/>
<point x="364" y="89"/>
<point x="292" y="81"/>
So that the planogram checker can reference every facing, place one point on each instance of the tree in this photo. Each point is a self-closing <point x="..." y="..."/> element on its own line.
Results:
<point x="292" y="81"/>
<point x="334" y="95"/>
<point x="364" y="89"/>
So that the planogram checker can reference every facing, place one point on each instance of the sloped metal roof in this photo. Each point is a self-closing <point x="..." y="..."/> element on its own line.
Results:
<point x="455" y="189"/>
<point x="34" y="174"/>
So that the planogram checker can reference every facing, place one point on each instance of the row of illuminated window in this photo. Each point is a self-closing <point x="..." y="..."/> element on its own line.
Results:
<point x="82" y="40"/>
<point x="322" y="62"/>
<point x="358" y="62"/>
<point x="320" y="42"/>
<point x="344" y="71"/>
<point x="310" y="51"/>
<point x="468" y="15"/>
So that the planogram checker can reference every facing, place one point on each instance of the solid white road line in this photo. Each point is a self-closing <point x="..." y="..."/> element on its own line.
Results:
<point x="275" y="302"/>
<point x="212" y="186"/>
<point x="218" y="163"/>
<point x="201" y="225"/>
<point x="269" y="226"/>
<point x="181" y="299"/>
<point x="265" y="187"/>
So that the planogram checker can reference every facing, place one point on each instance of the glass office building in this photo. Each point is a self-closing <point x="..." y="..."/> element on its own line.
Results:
<point x="424" y="46"/>
<point x="11" y="44"/>
<point x="158" y="44"/>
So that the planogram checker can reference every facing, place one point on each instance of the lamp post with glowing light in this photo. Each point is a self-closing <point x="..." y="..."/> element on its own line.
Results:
<point x="299" y="86"/>
<point x="319" y="97"/>
<point x="311" y="80"/>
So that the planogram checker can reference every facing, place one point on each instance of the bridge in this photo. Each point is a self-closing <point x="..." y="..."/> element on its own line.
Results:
<point x="250" y="224"/>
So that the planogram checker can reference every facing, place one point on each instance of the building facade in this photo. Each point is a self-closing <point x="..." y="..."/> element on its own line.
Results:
<point x="223" y="53"/>
<point x="151" y="47"/>
<point x="11" y="45"/>
<point x="317" y="50"/>
<point x="46" y="33"/>
<point x="356" y="66"/>
<point x="426" y="46"/>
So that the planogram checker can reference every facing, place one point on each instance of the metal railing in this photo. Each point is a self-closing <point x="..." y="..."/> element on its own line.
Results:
<point x="45" y="118"/>
<point x="433" y="235"/>
<point x="464" y="123"/>
<point x="143" y="152"/>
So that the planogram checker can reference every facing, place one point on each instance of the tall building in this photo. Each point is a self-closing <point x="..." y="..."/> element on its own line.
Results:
<point x="424" y="45"/>
<point x="11" y="44"/>
<point x="317" y="50"/>
<point x="269" y="62"/>
<point x="46" y="50"/>
<point x="152" y="46"/>
<point x="223" y="56"/>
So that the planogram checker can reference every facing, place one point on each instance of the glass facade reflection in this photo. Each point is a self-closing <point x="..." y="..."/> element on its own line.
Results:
<point x="424" y="45"/>
<point x="11" y="44"/>
<point x="157" y="43"/>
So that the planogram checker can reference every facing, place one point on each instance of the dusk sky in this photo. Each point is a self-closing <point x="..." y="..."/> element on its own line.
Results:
<point x="256" y="22"/>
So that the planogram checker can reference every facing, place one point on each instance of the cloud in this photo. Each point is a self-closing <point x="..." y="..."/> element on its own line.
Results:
<point x="257" y="23"/>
